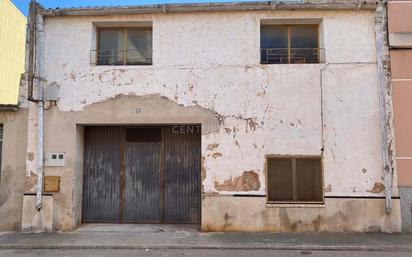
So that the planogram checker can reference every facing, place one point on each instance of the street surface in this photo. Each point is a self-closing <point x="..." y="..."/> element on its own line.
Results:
<point x="195" y="253"/>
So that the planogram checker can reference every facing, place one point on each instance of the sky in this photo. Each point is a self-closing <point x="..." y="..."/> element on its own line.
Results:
<point x="23" y="4"/>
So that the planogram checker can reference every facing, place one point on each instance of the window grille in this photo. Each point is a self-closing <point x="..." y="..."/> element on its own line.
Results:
<point x="282" y="44"/>
<point x="123" y="46"/>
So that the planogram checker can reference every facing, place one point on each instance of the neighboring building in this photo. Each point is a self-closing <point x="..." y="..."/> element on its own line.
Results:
<point x="262" y="116"/>
<point x="13" y="124"/>
<point x="12" y="45"/>
<point x="400" y="40"/>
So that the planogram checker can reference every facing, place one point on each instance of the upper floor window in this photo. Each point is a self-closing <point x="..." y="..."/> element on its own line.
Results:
<point x="289" y="44"/>
<point x="123" y="46"/>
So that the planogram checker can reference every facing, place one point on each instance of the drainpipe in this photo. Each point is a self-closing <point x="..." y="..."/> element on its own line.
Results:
<point x="40" y="142"/>
<point x="34" y="77"/>
<point x="385" y="101"/>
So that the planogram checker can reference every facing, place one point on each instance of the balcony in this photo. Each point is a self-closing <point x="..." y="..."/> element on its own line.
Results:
<point x="291" y="55"/>
<point x="120" y="57"/>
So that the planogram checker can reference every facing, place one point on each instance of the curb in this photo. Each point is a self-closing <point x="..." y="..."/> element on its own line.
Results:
<point x="391" y="248"/>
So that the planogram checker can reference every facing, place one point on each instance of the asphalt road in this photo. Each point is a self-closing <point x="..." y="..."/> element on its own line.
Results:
<point x="194" y="253"/>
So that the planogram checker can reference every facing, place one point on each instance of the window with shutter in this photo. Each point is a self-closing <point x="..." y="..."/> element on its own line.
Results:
<point x="294" y="180"/>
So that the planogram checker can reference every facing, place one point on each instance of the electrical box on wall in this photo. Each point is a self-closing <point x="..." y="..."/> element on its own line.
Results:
<point x="55" y="159"/>
<point x="52" y="92"/>
<point x="51" y="184"/>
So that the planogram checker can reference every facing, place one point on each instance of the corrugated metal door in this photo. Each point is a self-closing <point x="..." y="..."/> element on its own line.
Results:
<point x="142" y="184"/>
<point x="101" y="181"/>
<point x="182" y="174"/>
<point x="146" y="175"/>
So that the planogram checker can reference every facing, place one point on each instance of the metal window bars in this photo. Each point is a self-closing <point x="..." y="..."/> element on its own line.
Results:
<point x="120" y="57"/>
<point x="267" y="56"/>
<point x="291" y="55"/>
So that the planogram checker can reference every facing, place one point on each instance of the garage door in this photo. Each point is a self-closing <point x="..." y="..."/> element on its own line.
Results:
<point x="142" y="174"/>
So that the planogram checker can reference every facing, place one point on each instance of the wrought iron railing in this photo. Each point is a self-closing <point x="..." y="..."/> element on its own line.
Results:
<point x="120" y="57"/>
<point x="291" y="55"/>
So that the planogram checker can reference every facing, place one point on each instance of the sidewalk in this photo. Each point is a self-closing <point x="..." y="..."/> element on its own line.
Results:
<point x="186" y="237"/>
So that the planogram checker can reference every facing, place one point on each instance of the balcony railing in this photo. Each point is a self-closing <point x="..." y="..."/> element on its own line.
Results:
<point x="291" y="55"/>
<point x="120" y="57"/>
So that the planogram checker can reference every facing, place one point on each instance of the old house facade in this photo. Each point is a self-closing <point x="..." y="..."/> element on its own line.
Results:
<point x="237" y="117"/>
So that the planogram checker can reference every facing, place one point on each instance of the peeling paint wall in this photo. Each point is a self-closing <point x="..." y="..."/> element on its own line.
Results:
<point x="67" y="132"/>
<point x="206" y="70"/>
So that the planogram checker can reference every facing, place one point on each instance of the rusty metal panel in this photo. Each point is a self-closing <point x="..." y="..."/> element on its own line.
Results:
<point x="280" y="179"/>
<point x="181" y="174"/>
<point x="101" y="181"/>
<point x="309" y="179"/>
<point x="148" y="175"/>
<point x="142" y="186"/>
<point x="294" y="179"/>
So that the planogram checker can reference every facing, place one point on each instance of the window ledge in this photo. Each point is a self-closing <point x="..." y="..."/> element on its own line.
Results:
<point x="295" y="205"/>
<point x="122" y="67"/>
<point x="300" y="64"/>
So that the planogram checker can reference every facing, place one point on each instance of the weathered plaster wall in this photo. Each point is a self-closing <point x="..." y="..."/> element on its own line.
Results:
<point x="206" y="70"/>
<point x="66" y="130"/>
<point x="225" y="213"/>
<point x="12" y="181"/>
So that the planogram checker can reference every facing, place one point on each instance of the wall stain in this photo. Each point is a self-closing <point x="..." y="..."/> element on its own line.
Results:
<point x="212" y="146"/>
<point x="228" y="221"/>
<point x="373" y="228"/>
<point x="203" y="173"/>
<point x="251" y="125"/>
<point x="377" y="188"/>
<point x="248" y="181"/>
<point x="30" y="156"/>
<point x="328" y="188"/>
<point x="335" y="222"/>
<point x="216" y="155"/>
<point x="73" y="76"/>
<point x="30" y="181"/>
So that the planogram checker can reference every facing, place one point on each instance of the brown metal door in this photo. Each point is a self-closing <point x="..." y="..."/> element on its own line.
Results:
<point x="146" y="175"/>
<point x="182" y="174"/>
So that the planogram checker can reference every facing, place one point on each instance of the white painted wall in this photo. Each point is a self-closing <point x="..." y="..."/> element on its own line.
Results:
<point x="212" y="60"/>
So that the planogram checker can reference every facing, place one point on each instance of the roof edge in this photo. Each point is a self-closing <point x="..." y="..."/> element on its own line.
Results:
<point x="215" y="6"/>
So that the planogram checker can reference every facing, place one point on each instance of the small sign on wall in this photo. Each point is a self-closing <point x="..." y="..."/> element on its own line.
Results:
<point x="51" y="184"/>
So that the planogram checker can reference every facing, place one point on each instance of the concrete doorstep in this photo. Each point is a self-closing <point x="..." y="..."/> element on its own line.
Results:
<point x="186" y="237"/>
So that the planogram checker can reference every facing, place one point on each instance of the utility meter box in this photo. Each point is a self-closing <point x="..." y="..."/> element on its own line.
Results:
<point x="55" y="159"/>
<point x="51" y="184"/>
<point x="52" y="92"/>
